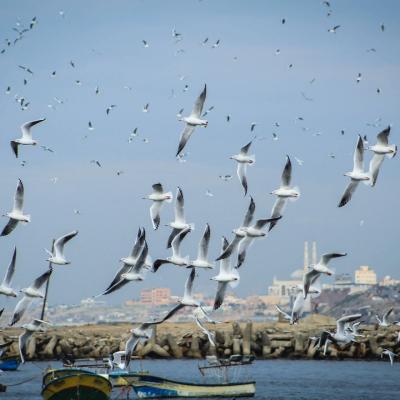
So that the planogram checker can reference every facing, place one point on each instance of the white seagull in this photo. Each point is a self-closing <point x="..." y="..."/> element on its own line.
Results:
<point x="158" y="197"/>
<point x="176" y="257"/>
<point x="284" y="192"/>
<point x="390" y="354"/>
<point x="16" y="214"/>
<point x="202" y="261"/>
<point x="30" y="293"/>
<point x="357" y="174"/>
<point x="180" y="222"/>
<point x="5" y="288"/>
<point x="210" y="335"/>
<point x="193" y="120"/>
<point x="243" y="159"/>
<point x="26" y="138"/>
<point x="57" y="253"/>
<point x="227" y="275"/>
<point x="35" y="326"/>
<point x="321" y="268"/>
<point x="380" y="149"/>
<point x="385" y="318"/>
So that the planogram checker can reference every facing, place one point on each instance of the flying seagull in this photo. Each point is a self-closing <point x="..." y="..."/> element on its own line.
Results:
<point x="193" y="120"/>
<point x="385" y="318"/>
<point x="284" y="192"/>
<point x="321" y="268"/>
<point x="243" y="159"/>
<point x="380" y="149"/>
<point x="390" y="354"/>
<point x="16" y="214"/>
<point x="30" y="293"/>
<point x="57" y="253"/>
<point x="158" y="197"/>
<point x="5" y="288"/>
<point x="180" y="222"/>
<point x="210" y="335"/>
<point x="26" y="138"/>
<point x="35" y="326"/>
<point x="201" y="261"/>
<point x="357" y="174"/>
<point x="227" y="275"/>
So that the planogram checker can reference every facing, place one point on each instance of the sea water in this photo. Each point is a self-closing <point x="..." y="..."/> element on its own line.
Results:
<point x="275" y="379"/>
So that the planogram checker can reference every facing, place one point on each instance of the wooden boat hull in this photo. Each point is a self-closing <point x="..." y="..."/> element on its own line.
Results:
<point x="148" y="386"/>
<point x="9" y="363"/>
<point x="67" y="384"/>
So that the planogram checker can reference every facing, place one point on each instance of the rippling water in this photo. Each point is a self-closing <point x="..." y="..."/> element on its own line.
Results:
<point x="276" y="380"/>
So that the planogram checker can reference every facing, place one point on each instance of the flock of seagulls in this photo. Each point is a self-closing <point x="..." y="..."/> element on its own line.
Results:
<point x="232" y="254"/>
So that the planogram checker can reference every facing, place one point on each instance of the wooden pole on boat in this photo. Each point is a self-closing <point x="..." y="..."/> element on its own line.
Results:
<point x="47" y="287"/>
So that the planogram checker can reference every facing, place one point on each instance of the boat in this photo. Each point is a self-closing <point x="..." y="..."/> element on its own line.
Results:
<point x="75" y="384"/>
<point x="10" y="363"/>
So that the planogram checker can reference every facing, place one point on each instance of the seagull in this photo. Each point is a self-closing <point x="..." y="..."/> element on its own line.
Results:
<point x="210" y="335"/>
<point x="180" y="222"/>
<point x="298" y="305"/>
<point x="284" y="192"/>
<point x="334" y="29"/>
<point x="187" y="300"/>
<point x="30" y="293"/>
<point x="26" y="138"/>
<point x="35" y="326"/>
<point x="358" y="174"/>
<point x="383" y="27"/>
<point x="109" y="108"/>
<point x="253" y="232"/>
<point x="176" y="257"/>
<point x="45" y="148"/>
<point x="321" y="268"/>
<point x="201" y="261"/>
<point x="225" y="178"/>
<point x="16" y="214"/>
<point x="97" y="162"/>
<point x="193" y="120"/>
<point x="243" y="159"/>
<point x="146" y="108"/>
<point x="130" y="262"/>
<point x="57" y="254"/>
<point x="209" y="193"/>
<point x="390" y="354"/>
<point x="90" y="126"/>
<point x="5" y="288"/>
<point x="380" y="149"/>
<point x="138" y="334"/>
<point x="145" y="44"/>
<point x="359" y="76"/>
<point x="216" y="44"/>
<point x="240" y="232"/>
<point x="385" y="318"/>
<point x="158" y="197"/>
<point x="227" y="275"/>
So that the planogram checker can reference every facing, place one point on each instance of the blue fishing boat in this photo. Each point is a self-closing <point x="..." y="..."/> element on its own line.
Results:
<point x="10" y="363"/>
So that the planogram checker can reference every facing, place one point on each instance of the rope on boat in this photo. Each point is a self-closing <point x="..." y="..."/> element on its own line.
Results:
<point x="25" y="381"/>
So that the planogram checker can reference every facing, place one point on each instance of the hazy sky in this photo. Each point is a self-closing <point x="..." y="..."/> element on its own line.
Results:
<point x="246" y="79"/>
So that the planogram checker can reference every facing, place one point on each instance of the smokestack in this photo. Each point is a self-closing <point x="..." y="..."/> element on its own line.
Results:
<point x="305" y="256"/>
<point x="314" y="252"/>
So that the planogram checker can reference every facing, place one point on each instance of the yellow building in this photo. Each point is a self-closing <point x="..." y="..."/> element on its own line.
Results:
<point x="365" y="276"/>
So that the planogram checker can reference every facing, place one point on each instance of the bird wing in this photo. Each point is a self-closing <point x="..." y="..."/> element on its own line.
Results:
<point x="358" y="158"/>
<point x="277" y="210"/>
<point x="198" y="106"/>
<point x="241" y="173"/>
<point x="185" y="136"/>
<point x="374" y="165"/>
<point x="179" y="206"/>
<point x="262" y="222"/>
<point x="309" y="278"/>
<point x="383" y="137"/>
<point x="287" y="173"/>
<point x="243" y="246"/>
<point x="325" y="258"/>
<point x="204" y="244"/>
<point x="173" y="311"/>
<point x="189" y="284"/>
<point x="20" y="309"/>
<point x="60" y="243"/>
<point x="19" y="196"/>
<point x="219" y="297"/>
<point x="230" y="248"/>
<point x="155" y="213"/>
<point x="387" y="313"/>
<point x="26" y="128"/>
<point x="117" y="284"/>
<point x="298" y="305"/>
<point x="245" y="149"/>
<point x="41" y="280"/>
<point x="14" y="145"/>
<point x="140" y="239"/>
<point x="341" y="322"/>
<point x="172" y="236"/>
<point x="177" y="241"/>
<point x="22" y="341"/>
<point x="141" y="261"/>
<point x="249" y="214"/>
<point x="286" y="315"/>
<point x="10" y="269"/>
<point x="12" y="223"/>
<point x="211" y="336"/>
<point x="348" y="193"/>
<point x="130" y="347"/>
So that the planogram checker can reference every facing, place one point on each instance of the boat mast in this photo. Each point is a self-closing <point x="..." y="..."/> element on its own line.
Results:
<point x="47" y="287"/>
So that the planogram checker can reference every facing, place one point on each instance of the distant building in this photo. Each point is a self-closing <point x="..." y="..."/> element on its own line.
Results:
<point x="156" y="296"/>
<point x="365" y="276"/>
<point x="343" y="281"/>
<point x="389" y="281"/>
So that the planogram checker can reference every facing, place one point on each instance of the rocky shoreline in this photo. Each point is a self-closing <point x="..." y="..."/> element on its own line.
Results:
<point x="264" y="340"/>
